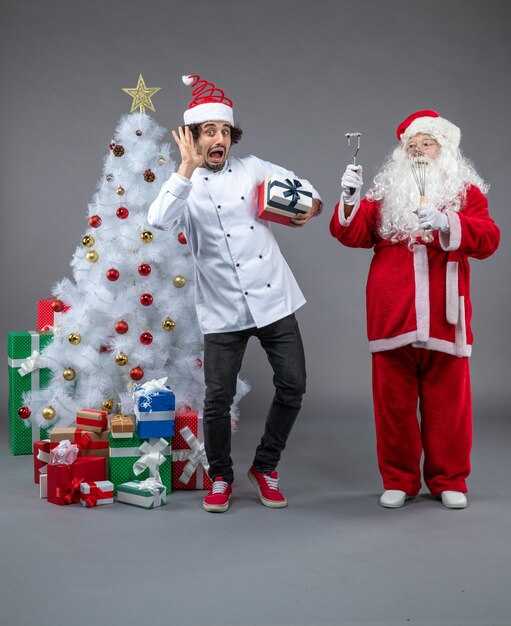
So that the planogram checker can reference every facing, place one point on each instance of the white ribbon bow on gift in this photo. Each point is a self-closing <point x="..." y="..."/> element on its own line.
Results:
<point x="154" y="486"/>
<point x="152" y="458"/>
<point x="195" y="456"/>
<point x="31" y="363"/>
<point x="45" y="458"/>
<point x="150" y="387"/>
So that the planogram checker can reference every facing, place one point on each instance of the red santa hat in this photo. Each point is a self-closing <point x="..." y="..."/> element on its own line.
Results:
<point x="209" y="102"/>
<point x="430" y="123"/>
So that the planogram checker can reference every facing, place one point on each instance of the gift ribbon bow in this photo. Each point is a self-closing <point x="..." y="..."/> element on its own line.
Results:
<point x="292" y="190"/>
<point x="44" y="457"/>
<point x="31" y="364"/>
<point x="68" y="491"/>
<point x="152" y="458"/>
<point x="96" y="494"/>
<point x="195" y="456"/>
<point x="153" y="485"/>
<point x="150" y="387"/>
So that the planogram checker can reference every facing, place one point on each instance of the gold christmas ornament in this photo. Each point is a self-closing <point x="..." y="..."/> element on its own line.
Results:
<point x="161" y="159"/>
<point x="49" y="413"/>
<point x="141" y="95"/>
<point x="74" y="338"/>
<point x="146" y="236"/>
<point x="92" y="256"/>
<point x="69" y="373"/>
<point x="108" y="405"/>
<point x="88" y="241"/>
<point x="179" y="281"/>
<point x="168" y="324"/>
<point x="121" y="358"/>
<point x="119" y="191"/>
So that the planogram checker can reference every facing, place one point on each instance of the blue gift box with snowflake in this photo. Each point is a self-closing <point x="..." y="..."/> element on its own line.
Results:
<point x="155" y="406"/>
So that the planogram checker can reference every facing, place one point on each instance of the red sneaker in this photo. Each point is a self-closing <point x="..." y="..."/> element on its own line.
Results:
<point x="267" y="486"/>
<point x="217" y="500"/>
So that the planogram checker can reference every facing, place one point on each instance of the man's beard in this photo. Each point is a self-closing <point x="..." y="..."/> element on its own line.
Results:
<point x="447" y="178"/>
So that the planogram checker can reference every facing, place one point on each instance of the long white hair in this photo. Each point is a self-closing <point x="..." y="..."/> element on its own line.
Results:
<point x="448" y="177"/>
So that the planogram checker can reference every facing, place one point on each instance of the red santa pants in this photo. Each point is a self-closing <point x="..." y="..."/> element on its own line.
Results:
<point x="440" y="384"/>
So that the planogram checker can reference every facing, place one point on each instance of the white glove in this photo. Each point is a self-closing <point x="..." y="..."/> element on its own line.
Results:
<point x="351" y="183"/>
<point x="430" y="218"/>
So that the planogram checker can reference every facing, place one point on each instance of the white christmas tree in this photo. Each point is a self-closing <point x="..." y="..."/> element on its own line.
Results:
<point x="132" y="315"/>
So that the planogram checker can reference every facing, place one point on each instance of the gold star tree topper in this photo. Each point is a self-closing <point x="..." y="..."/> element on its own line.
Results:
<point x="141" y="95"/>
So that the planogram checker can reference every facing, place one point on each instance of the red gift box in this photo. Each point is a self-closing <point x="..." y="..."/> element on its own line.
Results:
<point x="92" y="420"/>
<point x="64" y="480"/>
<point x="41" y="458"/>
<point x="188" y="455"/>
<point x="89" y="444"/>
<point x="46" y="316"/>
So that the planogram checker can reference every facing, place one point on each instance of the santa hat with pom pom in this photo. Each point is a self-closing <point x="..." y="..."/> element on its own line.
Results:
<point x="430" y="123"/>
<point x="209" y="102"/>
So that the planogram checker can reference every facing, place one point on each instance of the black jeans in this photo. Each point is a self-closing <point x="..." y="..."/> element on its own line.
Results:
<point x="223" y="354"/>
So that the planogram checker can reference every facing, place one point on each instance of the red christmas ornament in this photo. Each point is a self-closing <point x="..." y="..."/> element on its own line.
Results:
<point x="122" y="212"/>
<point x="112" y="274"/>
<point x="111" y="145"/>
<point x="146" y="338"/>
<point x="137" y="373"/>
<point x="24" y="412"/>
<point x="182" y="239"/>
<point x="198" y="363"/>
<point x="57" y="305"/>
<point x="121" y="327"/>
<point x="144" y="269"/>
<point x="105" y="349"/>
<point x="95" y="221"/>
<point x="146" y="299"/>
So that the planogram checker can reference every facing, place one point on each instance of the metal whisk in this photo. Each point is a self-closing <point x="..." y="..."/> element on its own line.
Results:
<point x="349" y="136"/>
<point x="419" y="167"/>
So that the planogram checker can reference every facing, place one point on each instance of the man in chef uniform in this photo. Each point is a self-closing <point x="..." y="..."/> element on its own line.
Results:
<point x="243" y="285"/>
<point x="418" y="303"/>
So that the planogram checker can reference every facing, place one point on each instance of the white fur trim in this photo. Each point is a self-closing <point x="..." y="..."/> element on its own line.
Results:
<point x="421" y="271"/>
<point x="346" y="221"/>
<point x="460" y="341"/>
<point x="439" y="345"/>
<point x="434" y="126"/>
<point x="451" y="292"/>
<point x="451" y="240"/>
<point x="391" y="343"/>
<point x="187" y="80"/>
<point x="209" y="112"/>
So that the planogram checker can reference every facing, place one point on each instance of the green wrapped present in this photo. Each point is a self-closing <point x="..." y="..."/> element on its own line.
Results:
<point x="24" y="348"/>
<point x="147" y="494"/>
<point x="139" y="459"/>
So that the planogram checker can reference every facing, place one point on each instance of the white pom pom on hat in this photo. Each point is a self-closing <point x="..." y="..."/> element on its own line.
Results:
<point x="209" y="103"/>
<point x="429" y="122"/>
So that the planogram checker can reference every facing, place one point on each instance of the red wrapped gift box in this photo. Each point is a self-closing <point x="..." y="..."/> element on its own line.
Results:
<point x="41" y="458"/>
<point x="189" y="462"/>
<point x="92" y="420"/>
<point x="46" y="316"/>
<point x="64" y="480"/>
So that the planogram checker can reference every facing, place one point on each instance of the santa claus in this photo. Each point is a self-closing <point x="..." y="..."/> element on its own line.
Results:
<point x="418" y="303"/>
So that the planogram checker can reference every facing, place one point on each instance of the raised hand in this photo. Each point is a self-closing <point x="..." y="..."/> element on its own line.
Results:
<point x="191" y="156"/>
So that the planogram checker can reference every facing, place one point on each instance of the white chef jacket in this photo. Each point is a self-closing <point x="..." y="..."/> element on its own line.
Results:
<point x="241" y="278"/>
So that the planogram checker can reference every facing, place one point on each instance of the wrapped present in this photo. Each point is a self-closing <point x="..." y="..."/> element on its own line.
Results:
<point x="43" y="486"/>
<point x="64" y="453"/>
<point x="155" y="406"/>
<point x="96" y="493"/>
<point x="147" y="494"/>
<point x="189" y="461"/>
<point x="41" y="458"/>
<point x="89" y="444"/>
<point x="47" y="318"/>
<point x="280" y="199"/>
<point x="92" y="420"/>
<point x="122" y="427"/>
<point x="25" y="374"/>
<point x="64" y="480"/>
<point x="137" y="458"/>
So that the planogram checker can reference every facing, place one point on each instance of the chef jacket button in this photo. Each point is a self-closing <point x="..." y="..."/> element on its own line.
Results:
<point x="237" y="264"/>
<point x="229" y="170"/>
<point x="228" y="234"/>
<point x="268" y="285"/>
<point x="246" y="293"/>
<point x="260" y="256"/>
<point x="251" y="228"/>
<point x="206" y="178"/>
<point x="219" y="206"/>
<point x="243" y="197"/>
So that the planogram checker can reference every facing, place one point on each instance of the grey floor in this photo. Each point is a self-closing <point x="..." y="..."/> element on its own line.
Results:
<point x="333" y="557"/>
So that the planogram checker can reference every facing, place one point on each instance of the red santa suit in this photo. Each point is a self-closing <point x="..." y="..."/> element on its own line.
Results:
<point x="418" y="325"/>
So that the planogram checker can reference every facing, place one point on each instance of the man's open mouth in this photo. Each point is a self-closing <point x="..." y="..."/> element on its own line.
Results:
<point x="216" y="154"/>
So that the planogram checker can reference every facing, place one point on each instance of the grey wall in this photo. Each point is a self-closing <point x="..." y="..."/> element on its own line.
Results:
<point x="301" y="75"/>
